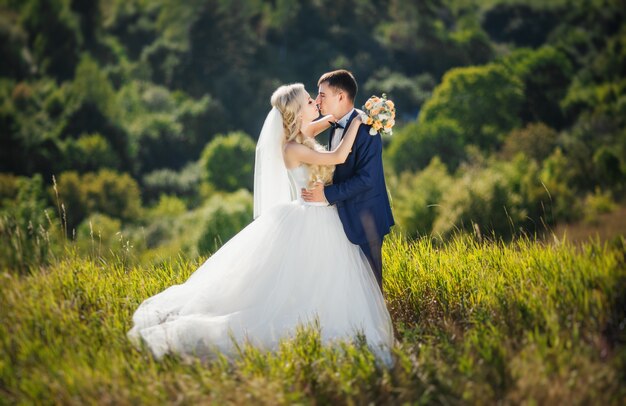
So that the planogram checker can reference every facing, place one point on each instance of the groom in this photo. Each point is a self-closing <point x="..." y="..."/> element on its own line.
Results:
<point x="358" y="188"/>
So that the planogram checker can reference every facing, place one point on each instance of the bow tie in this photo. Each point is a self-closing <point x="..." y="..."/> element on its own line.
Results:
<point x="334" y="126"/>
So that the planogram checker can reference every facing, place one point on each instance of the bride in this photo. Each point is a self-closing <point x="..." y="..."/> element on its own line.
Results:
<point x="292" y="265"/>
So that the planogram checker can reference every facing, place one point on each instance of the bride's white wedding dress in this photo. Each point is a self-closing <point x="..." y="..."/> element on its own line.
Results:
<point x="291" y="265"/>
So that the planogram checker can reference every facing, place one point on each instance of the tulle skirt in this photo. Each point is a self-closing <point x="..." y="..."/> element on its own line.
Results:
<point x="291" y="266"/>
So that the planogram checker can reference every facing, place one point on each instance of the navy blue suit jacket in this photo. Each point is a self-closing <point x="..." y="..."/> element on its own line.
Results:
<point x="359" y="190"/>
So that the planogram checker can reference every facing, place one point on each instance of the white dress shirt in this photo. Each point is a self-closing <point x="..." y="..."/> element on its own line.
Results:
<point x="338" y="135"/>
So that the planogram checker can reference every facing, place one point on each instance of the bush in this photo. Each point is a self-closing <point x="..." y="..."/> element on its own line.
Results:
<point x="608" y="168"/>
<point x="168" y="206"/>
<point x="413" y="147"/>
<point x="558" y="175"/>
<point x="597" y="203"/>
<point x="9" y="186"/>
<point x="408" y="93"/>
<point x="228" y="215"/>
<point x="484" y="100"/>
<point x="106" y="192"/>
<point x="25" y="225"/>
<point x="417" y="197"/>
<point x="89" y="153"/>
<point x="536" y="141"/>
<point x="480" y="201"/>
<point x="546" y="74"/>
<point x="99" y="234"/>
<point x="183" y="183"/>
<point x="228" y="162"/>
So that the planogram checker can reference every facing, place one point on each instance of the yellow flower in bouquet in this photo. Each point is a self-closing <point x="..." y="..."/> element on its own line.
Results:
<point x="381" y="114"/>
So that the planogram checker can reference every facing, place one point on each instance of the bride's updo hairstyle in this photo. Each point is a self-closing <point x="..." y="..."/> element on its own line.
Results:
<point x="288" y="100"/>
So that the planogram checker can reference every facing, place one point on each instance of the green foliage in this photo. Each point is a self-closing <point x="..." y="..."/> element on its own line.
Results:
<point x="408" y="93"/>
<point x="522" y="24"/>
<point x="53" y="36"/>
<point x="8" y="188"/>
<point x="168" y="206"/>
<point x="166" y="181"/>
<point x="91" y="85"/>
<point x="227" y="215"/>
<point x="608" y="168"/>
<point x="546" y="74"/>
<point x="28" y="144"/>
<point x="596" y="204"/>
<point x="536" y="141"/>
<point x="106" y="192"/>
<point x="413" y="146"/>
<point x="485" y="101"/>
<point x="166" y="129"/>
<point x="423" y="37"/>
<point x="417" y="196"/>
<point x="480" y="201"/>
<point x="142" y="87"/>
<point x="228" y="161"/>
<point x="477" y="323"/>
<point x="17" y="63"/>
<point x="558" y="175"/>
<point x="89" y="153"/>
<point x="100" y="236"/>
<point x="25" y="225"/>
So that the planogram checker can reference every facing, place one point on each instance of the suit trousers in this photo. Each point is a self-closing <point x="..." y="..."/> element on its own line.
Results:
<point x="373" y="252"/>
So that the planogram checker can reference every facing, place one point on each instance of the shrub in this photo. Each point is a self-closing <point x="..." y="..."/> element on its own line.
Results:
<point x="106" y="192"/>
<point x="557" y="174"/>
<point x="228" y="215"/>
<point x="417" y="197"/>
<point x="99" y="234"/>
<point x="88" y="153"/>
<point x="228" y="162"/>
<point x="183" y="183"/>
<point x="480" y="201"/>
<point x="9" y="186"/>
<point x="25" y="226"/>
<point x="413" y="147"/>
<point x="536" y="141"/>
<point x="484" y="100"/>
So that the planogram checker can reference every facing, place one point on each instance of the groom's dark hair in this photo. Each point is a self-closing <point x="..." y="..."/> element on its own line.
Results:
<point x="341" y="79"/>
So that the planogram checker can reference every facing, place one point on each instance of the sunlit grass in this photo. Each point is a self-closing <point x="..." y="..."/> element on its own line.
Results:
<point x="476" y="322"/>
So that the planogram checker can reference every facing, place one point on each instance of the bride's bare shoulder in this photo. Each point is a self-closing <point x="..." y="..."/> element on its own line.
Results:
<point x="292" y="146"/>
<point x="290" y="154"/>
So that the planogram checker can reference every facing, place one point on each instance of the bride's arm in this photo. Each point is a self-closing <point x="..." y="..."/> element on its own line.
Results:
<point x="315" y="127"/>
<point x="306" y="155"/>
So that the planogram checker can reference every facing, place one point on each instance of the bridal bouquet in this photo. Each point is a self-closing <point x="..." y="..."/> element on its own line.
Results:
<point x="381" y="114"/>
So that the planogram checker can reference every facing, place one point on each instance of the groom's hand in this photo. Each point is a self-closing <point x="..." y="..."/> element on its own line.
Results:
<point x="316" y="194"/>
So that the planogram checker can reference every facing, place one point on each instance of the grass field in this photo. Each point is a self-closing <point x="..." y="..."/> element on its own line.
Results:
<point x="477" y="323"/>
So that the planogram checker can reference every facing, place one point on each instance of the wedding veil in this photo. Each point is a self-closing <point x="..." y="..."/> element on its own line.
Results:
<point x="272" y="184"/>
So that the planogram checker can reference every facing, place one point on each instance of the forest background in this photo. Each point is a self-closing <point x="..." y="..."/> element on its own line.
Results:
<point x="135" y="121"/>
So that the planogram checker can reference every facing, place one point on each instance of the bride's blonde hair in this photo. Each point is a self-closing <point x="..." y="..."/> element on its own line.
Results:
<point x="289" y="99"/>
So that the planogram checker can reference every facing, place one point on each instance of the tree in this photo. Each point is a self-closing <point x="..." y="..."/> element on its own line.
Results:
<point x="484" y="100"/>
<point x="536" y="141"/>
<point x="54" y="36"/>
<point x="228" y="215"/>
<point x="106" y="192"/>
<point x="413" y="147"/>
<point x="418" y="196"/>
<point x="228" y="161"/>
<point x="546" y="74"/>
<point x="520" y="24"/>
